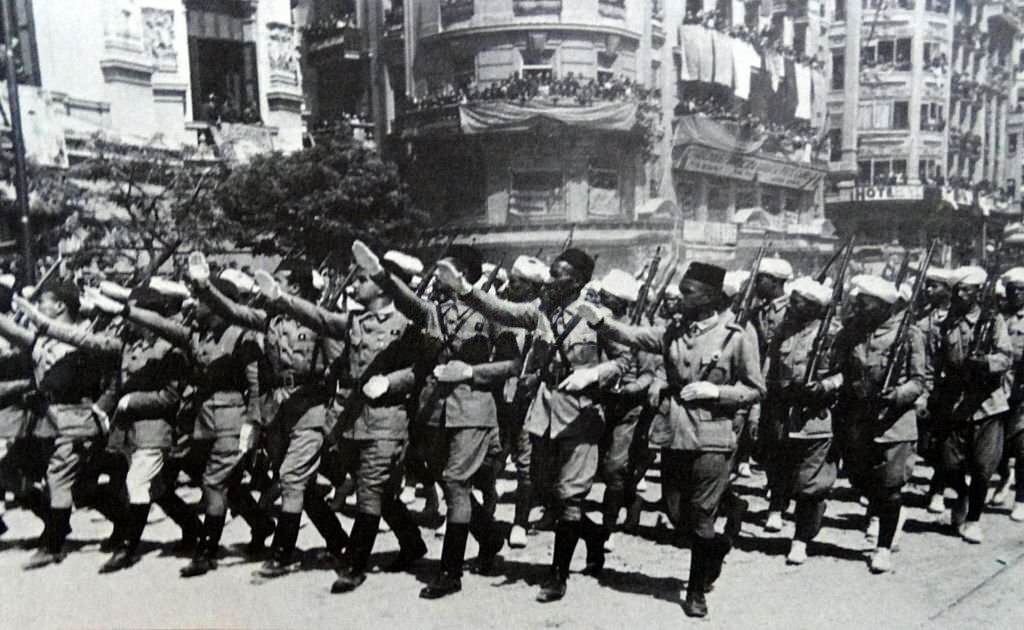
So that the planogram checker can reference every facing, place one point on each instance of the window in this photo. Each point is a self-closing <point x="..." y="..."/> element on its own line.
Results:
<point x="899" y="171"/>
<point x="840" y="11"/>
<point x="464" y="71"/>
<point x="864" y="172"/>
<point x="751" y="14"/>
<point x="886" y="51"/>
<point x="603" y="197"/>
<point x="835" y="143"/>
<point x="931" y="117"/>
<point x="901" y="115"/>
<point x="903" y="53"/>
<point x="222" y="57"/>
<point x="536" y="193"/>
<point x="1011" y="188"/>
<point x="838" y="70"/>
<point x="1011" y="144"/>
<point x="800" y="38"/>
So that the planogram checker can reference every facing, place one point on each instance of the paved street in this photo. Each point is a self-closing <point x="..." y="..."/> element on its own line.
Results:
<point x="939" y="582"/>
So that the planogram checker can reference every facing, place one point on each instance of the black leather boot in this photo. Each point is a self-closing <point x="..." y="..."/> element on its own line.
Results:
<point x="594" y="536"/>
<point x="357" y="556"/>
<point x="128" y="553"/>
<point x="282" y="550"/>
<point x="695" y="604"/>
<point x="449" y="580"/>
<point x="410" y="542"/>
<point x="205" y="558"/>
<point x="567" y="534"/>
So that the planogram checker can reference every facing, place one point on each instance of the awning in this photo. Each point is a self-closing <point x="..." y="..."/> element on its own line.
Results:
<point x="493" y="117"/>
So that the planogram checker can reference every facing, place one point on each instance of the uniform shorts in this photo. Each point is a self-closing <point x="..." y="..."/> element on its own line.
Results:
<point x="376" y="467"/>
<point x="978" y="446"/>
<point x="62" y="473"/>
<point x="222" y="462"/>
<point x="575" y="460"/>
<point x="616" y="445"/>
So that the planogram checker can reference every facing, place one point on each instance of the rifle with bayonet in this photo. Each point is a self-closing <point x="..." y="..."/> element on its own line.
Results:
<point x="659" y="297"/>
<point x="645" y="290"/>
<point x="901" y="273"/>
<point x="984" y="328"/>
<point x="818" y="349"/>
<point x="746" y="304"/>
<point x="568" y="239"/>
<point x="896" y="351"/>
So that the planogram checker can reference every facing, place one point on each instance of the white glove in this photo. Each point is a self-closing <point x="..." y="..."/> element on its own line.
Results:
<point x="247" y="437"/>
<point x="366" y="259"/>
<point x="376" y="387"/>
<point x="4" y="447"/>
<point x="448" y="276"/>
<point x="122" y="405"/>
<point x="198" y="268"/>
<point x="701" y="390"/>
<point x="114" y="290"/>
<point x="105" y="304"/>
<point x="579" y="379"/>
<point x="453" y="372"/>
<point x="268" y="286"/>
<point x="593" y="313"/>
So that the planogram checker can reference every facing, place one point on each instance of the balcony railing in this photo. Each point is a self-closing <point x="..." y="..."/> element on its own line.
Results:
<point x="456" y="10"/>
<point x="537" y="7"/>
<point x="344" y="35"/>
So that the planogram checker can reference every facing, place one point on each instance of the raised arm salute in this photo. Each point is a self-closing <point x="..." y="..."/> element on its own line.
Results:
<point x="712" y="369"/>
<point x="294" y="406"/>
<point x="573" y="364"/>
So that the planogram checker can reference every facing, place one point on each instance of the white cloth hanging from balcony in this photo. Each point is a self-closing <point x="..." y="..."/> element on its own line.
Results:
<point x="723" y="66"/>
<point x="744" y="58"/>
<point x="803" y="91"/>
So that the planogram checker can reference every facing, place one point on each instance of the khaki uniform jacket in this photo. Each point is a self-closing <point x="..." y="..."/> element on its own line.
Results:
<point x="862" y="359"/>
<point x="715" y="350"/>
<point x="786" y="364"/>
<point x="456" y="331"/>
<point x="961" y="392"/>
<point x="555" y="412"/>
<point x="382" y="343"/>
<point x="69" y="381"/>
<point x="15" y="382"/>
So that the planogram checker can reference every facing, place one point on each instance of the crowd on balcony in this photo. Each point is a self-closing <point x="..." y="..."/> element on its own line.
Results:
<point x="216" y="110"/>
<point x="767" y="39"/>
<point x="540" y="86"/>
<point x="786" y="139"/>
<point x="326" y="26"/>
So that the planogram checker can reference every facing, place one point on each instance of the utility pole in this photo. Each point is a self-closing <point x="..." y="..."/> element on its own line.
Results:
<point x="20" y="176"/>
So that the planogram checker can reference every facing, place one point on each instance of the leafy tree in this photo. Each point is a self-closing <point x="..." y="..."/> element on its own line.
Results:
<point x="315" y="202"/>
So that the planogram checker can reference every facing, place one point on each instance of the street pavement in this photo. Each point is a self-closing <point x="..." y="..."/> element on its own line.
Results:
<point x="939" y="581"/>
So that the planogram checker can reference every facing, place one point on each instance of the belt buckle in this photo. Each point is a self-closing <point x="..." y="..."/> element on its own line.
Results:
<point x="288" y="381"/>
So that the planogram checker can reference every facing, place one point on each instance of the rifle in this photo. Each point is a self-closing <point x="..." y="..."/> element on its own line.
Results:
<point x="823" y="272"/>
<point x="746" y="304"/>
<point x="896" y="350"/>
<point x="659" y="297"/>
<point x="818" y="345"/>
<point x="141" y="278"/>
<point x="645" y="290"/>
<point x="984" y="328"/>
<point x="333" y="295"/>
<point x="420" y="290"/>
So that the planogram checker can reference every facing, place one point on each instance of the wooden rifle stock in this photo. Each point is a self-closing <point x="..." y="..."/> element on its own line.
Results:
<point x="660" y="296"/>
<point x="645" y="290"/>
<point x="818" y="345"/>
<point x="420" y="290"/>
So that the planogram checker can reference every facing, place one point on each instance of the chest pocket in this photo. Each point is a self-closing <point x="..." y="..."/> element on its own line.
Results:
<point x="291" y="345"/>
<point x="467" y="335"/>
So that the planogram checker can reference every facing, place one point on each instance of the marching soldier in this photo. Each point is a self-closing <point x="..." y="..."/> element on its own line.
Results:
<point x="376" y="370"/>
<point x="712" y="370"/>
<point x="969" y="373"/>
<point x="458" y="400"/>
<point x="152" y="374"/>
<point x="1014" y="281"/>
<point x="565" y="409"/>
<point x="69" y="383"/>
<point x="293" y="408"/>
<point x="880" y="424"/>
<point x="526" y="280"/>
<point x="225" y="361"/>
<point x="807" y="467"/>
<point x="937" y="290"/>
<point x="15" y="440"/>
<point x="624" y="405"/>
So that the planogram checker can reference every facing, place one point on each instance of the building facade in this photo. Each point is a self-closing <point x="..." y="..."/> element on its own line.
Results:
<point x="518" y="121"/>
<point x="925" y="121"/>
<point x="212" y="79"/>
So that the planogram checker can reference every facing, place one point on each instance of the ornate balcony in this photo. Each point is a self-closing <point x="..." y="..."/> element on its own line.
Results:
<point x="340" y="34"/>
<point x="612" y="9"/>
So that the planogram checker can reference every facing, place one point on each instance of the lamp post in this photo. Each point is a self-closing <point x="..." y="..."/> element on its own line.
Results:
<point x="18" y="140"/>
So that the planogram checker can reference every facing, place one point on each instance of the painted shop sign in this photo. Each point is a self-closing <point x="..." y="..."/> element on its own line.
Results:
<point x="698" y="159"/>
<point x="882" y="193"/>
